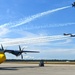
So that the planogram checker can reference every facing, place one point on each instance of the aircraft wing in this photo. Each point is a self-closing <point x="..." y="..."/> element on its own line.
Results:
<point x="14" y="52"/>
<point x="17" y="53"/>
<point x="30" y="51"/>
<point x="67" y="34"/>
<point x="9" y="51"/>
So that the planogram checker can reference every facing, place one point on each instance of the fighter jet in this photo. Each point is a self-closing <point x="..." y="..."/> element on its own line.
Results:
<point x="73" y="5"/>
<point x="69" y="34"/>
<point x="72" y="35"/>
<point x="66" y="34"/>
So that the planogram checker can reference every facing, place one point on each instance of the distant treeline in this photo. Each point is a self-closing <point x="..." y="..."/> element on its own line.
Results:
<point x="53" y="60"/>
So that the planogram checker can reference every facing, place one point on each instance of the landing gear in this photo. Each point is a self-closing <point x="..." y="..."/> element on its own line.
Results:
<point x="41" y="64"/>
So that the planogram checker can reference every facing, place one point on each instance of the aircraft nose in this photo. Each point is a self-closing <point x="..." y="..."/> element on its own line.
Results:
<point x="2" y="57"/>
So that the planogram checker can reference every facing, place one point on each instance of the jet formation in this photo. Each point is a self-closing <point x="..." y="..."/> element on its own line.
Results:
<point x="69" y="34"/>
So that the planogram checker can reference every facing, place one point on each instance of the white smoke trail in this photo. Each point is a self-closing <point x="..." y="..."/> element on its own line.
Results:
<point x="46" y="26"/>
<point x="33" y="17"/>
<point x="43" y="39"/>
<point x="5" y="25"/>
<point x="61" y="25"/>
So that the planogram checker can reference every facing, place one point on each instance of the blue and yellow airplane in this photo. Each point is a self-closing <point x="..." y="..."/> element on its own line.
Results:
<point x="14" y="52"/>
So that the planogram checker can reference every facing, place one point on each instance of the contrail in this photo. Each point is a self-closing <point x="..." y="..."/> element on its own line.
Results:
<point x="29" y="19"/>
<point x="5" y="25"/>
<point x="35" y="40"/>
<point x="61" y="25"/>
<point x="47" y="26"/>
<point x="33" y="17"/>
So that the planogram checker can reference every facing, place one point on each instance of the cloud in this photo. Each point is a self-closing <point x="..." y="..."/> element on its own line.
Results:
<point x="59" y="51"/>
<point x="28" y="57"/>
<point x="3" y="31"/>
<point x="64" y="42"/>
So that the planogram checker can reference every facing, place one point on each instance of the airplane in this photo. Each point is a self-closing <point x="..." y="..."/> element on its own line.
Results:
<point x="19" y="52"/>
<point x="73" y="5"/>
<point x="14" y="52"/>
<point x="66" y="34"/>
<point x="71" y="35"/>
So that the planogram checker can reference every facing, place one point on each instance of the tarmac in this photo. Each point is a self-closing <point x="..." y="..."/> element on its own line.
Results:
<point x="34" y="69"/>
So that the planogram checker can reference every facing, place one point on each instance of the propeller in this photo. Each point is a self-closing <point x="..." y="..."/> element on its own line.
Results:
<point x="2" y="47"/>
<point x="20" y="49"/>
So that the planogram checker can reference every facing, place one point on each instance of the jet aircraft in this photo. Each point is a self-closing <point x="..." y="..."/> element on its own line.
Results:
<point x="66" y="34"/>
<point x="14" y="52"/>
<point x="73" y="5"/>
<point x="71" y="35"/>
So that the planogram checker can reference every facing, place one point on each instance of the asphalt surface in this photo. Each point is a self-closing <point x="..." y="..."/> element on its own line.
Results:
<point x="34" y="69"/>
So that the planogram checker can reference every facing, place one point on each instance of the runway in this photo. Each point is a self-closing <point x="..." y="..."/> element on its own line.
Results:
<point x="34" y="69"/>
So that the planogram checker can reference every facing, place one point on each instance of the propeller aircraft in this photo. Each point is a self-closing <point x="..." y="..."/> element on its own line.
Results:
<point x="14" y="52"/>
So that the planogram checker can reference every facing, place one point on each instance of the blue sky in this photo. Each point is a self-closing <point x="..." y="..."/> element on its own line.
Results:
<point x="38" y="25"/>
